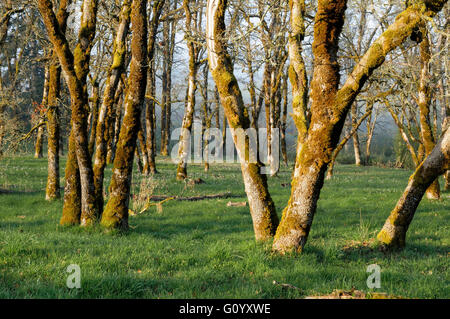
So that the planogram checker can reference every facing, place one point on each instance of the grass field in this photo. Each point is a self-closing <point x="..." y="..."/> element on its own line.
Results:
<point x="205" y="249"/>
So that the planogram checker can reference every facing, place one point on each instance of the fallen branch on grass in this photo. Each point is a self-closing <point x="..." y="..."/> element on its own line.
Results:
<point x="161" y="199"/>
<point x="157" y="198"/>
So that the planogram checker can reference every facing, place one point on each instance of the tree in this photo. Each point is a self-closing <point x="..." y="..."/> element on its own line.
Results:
<point x="193" y="24"/>
<point x="262" y="208"/>
<point x="116" y="210"/>
<point x="76" y="68"/>
<point x="115" y="72"/>
<point x="330" y="106"/>
<point x="393" y="233"/>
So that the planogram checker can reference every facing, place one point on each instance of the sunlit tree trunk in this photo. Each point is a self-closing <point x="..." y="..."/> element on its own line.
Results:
<point x="356" y="147"/>
<point x="185" y="136"/>
<point x="38" y="149"/>
<point x="107" y="107"/>
<point x="424" y="102"/>
<point x="330" y="107"/>
<point x="437" y="162"/>
<point x="116" y="210"/>
<point x="262" y="208"/>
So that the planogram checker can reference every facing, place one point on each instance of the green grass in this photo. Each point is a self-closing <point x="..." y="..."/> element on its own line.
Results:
<point x="207" y="250"/>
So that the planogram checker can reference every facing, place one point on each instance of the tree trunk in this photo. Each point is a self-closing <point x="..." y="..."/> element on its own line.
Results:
<point x="53" y="128"/>
<point x="424" y="102"/>
<point x="38" y="150"/>
<point x="437" y="162"/>
<point x="116" y="210"/>
<point x="53" y="122"/>
<point x="283" y="124"/>
<point x="184" y="146"/>
<point x="95" y="101"/>
<point x="356" y="147"/>
<point x="151" y="86"/>
<point x="261" y="205"/>
<point x="105" y="122"/>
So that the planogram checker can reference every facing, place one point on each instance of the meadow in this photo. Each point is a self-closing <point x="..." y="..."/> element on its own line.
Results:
<point x="206" y="249"/>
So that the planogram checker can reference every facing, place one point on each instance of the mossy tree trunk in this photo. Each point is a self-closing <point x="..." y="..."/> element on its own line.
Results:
<point x="262" y="208"/>
<point x="105" y="122"/>
<point x="330" y="107"/>
<point x="150" y="118"/>
<point x="297" y="72"/>
<point x="424" y="102"/>
<point x="95" y="106"/>
<point x="53" y="131"/>
<point x="76" y="69"/>
<point x="393" y="233"/>
<point x="114" y="120"/>
<point x="53" y="121"/>
<point x="116" y="210"/>
<point x="188" y="118"/>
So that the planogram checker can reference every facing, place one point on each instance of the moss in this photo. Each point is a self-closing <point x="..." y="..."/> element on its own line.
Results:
<point x="72" y="190"/>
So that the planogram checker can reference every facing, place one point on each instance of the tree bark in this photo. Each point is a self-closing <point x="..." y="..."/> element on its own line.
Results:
<point x="262" y="208"/>
<point x="393" y="233"/>
<point x="116" y="210"/>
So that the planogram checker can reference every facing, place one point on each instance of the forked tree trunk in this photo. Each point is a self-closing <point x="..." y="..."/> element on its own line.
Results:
<point x="104" y="121"/>
<point x="437" y="162"/>
<point x="76" y="69"/>
<point x="116" y="210"/>
<point x="262" y="208"/>
<point x="330" y="107"/>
